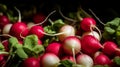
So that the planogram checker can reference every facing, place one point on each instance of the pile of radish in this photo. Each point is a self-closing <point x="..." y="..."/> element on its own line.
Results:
<point x="48" y="42"/>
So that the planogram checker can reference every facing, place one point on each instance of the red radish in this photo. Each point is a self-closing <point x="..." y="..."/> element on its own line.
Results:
<point x="68" y="57"/>
<point x="93" y="33"/>
<point x="102" y="59"/>
<point x="70" y="43"/>
<point x="85" y="60"/>
<point x="37" y="18"/>
<point x="3" y="21"/>
<point x="110" y="48"/>
<point x="90" y="45"/>
<point x="54" y="47"/>
<point x="37" y="30"/>
<point x="39" y="42"/>
<point x="31" y="62"/>
<point x="19" y="28"/>
<point x="49" y="60"/>
<point x="72" y="46"/>
<point x="2" y="59"/>
<point x="87" y="23"/>
<point x="67" y="30"/>
<point x="6" y="45"/>
<point x="97" y="53"/>
<point x="6" y="28"/>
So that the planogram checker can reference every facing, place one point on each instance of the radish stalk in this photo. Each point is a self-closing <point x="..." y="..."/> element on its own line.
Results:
<point x="19" y="14"/>
<point x="6" y="35"/>
<point x="93" y="26"/>
<point x="69" y="19"/>
<point x="96" y="17"/>
<point x="73" y="50"/>
<point x="4" y="52"/>
<point x="46" y="18"/>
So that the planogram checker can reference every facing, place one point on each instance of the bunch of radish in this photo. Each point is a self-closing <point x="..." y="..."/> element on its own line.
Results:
<point x="65" y="47"/>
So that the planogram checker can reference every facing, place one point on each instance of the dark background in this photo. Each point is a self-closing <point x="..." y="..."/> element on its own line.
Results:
<point x="105" y="10"/>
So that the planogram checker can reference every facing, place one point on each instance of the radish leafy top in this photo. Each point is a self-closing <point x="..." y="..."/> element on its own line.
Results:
<point x="112" y="30"/>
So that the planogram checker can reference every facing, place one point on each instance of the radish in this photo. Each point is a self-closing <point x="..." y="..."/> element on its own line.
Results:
<point x="31" y="62"/>
<point x="97" y="53"/>
<point x="71" y="43"/>
<point x="67" y="30"/>
<point x="6" y="45"/>
<point x="93" y="33"/>
<point x="68" y="57"/>
<point x="87" y="23"/>
<point x="72" y="46"/>
<point x="110" y="48"/>
<point x="30" y="24"/>
<point x="2" y="60"/>
<point x="19" y="28"/>
<point x="39" y="17"/>
<point x="49" y="60"/>
<point x="3" y="21"/>
<point x="6" y="28"/>
<point x="39" y="42"/>
<point x="85" y="60"/>
<point x="102" y="59"/>
<point x="54" y="47"/>
<point x="90" y="45"/>
<point x="37" y="30"/>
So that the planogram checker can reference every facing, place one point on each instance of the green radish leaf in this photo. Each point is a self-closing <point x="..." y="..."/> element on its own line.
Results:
<point x="117" y="60"/>
<point x="65" y="63"/>
<point x="1" y="47"/>
<point x="58" y="24"/>
<point x="31" y="46"/>
<point x="38" y="49"/>
<point x="109" y="30"/>
<point x="21" y="53"/>
<point x="78" y="65"/>
<point x="49" y="29"/>
<point x="13" y="42"/>
<point x="30" y="41"/>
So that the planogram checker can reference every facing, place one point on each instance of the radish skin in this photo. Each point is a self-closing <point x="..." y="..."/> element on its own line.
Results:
<point x="85" y="60"/>
<point x="70" y="43"/>
<point x="49" y="60"/>
<point x="93" y="33"/>
<point x="54" y="47"/>
<point x="67" y="30"/>
<point x="90" y="44"/>
<point x="6" y="28"/>
<point x="101" y="59"/>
